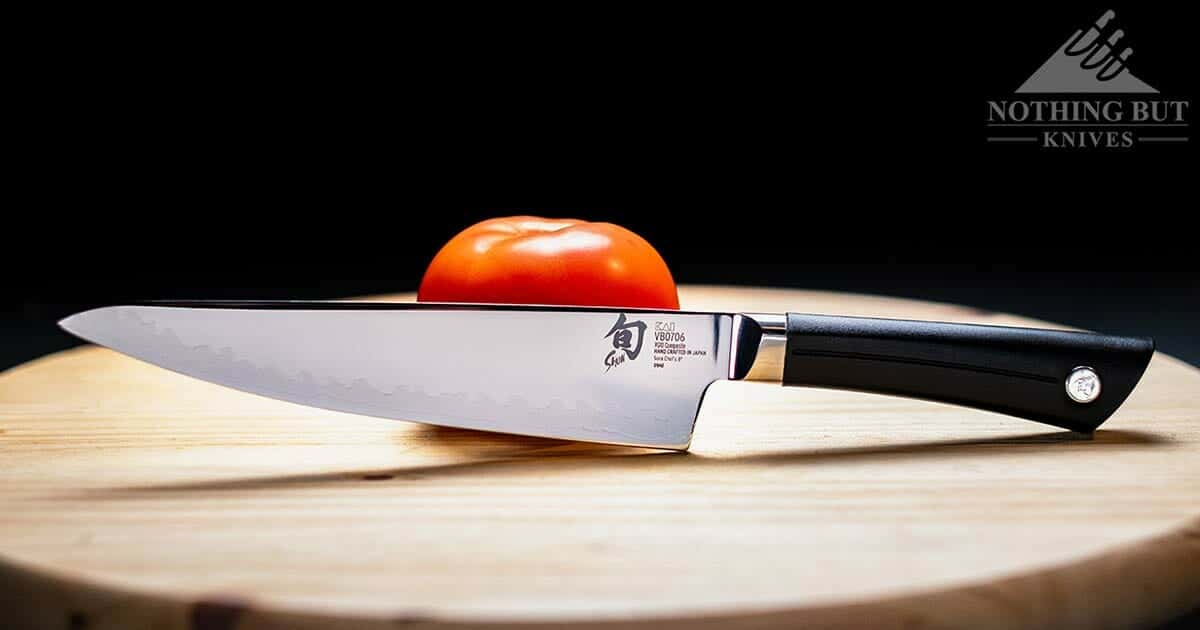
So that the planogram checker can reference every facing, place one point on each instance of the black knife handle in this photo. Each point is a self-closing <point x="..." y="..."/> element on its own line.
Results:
<point x="1017" y="371"/>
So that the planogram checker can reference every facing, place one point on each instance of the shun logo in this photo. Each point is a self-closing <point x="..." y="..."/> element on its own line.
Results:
<point x="627" y="337"/>
<point x="1091" y="61"/>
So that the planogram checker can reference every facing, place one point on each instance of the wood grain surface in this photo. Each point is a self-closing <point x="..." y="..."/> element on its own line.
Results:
<point x="136" y="497"/>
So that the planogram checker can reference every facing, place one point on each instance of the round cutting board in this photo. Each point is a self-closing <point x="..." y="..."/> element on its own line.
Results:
<point x="136" y="497"/>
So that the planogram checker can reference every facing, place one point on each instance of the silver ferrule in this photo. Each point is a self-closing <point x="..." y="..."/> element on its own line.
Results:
<point x="772" y="348"/>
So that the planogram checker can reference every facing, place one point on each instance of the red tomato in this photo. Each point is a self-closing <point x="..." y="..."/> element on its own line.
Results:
<point x="531" y="260"/>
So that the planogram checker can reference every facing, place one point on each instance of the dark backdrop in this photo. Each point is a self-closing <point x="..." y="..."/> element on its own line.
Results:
<point x="315" y="156"/>
<point x="832" y="148"/>
<point x="837" y="149"/>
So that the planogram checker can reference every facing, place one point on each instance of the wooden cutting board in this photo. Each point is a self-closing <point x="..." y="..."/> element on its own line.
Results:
<point x="136" y="497"/>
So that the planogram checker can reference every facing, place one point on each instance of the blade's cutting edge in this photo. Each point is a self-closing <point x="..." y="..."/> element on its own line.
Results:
<point x="621" y="377"/>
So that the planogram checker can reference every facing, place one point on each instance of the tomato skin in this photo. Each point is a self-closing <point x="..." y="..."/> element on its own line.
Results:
<point x="531" y="260"/>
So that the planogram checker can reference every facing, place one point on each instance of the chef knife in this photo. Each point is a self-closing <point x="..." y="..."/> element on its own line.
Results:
<point x="619" y="376"/>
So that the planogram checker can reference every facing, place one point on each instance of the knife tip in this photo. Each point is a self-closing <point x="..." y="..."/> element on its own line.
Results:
<point x="70" y="323"/>
<point x="82" y="323"/>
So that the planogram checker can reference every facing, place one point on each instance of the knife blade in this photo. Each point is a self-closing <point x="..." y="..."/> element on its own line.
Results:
<point x="620" y="376"/>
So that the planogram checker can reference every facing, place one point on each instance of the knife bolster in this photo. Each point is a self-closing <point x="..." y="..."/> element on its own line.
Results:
<point x="762" y="347"/>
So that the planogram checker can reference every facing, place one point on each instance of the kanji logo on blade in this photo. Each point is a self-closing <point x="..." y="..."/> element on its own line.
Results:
<point x="627" y="337"/>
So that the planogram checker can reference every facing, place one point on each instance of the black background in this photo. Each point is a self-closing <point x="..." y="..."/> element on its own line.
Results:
<point x="312" y="155"/>
<point x="323" y="156"/>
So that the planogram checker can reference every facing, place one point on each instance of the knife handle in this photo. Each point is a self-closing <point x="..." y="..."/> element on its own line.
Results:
<point x="1022" y="372"/>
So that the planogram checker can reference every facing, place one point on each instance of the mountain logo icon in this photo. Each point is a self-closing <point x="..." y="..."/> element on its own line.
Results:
<point x="1091" y="61"/>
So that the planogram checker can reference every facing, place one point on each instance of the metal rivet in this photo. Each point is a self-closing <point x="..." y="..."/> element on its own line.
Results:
<point x="1083" y="385"/>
